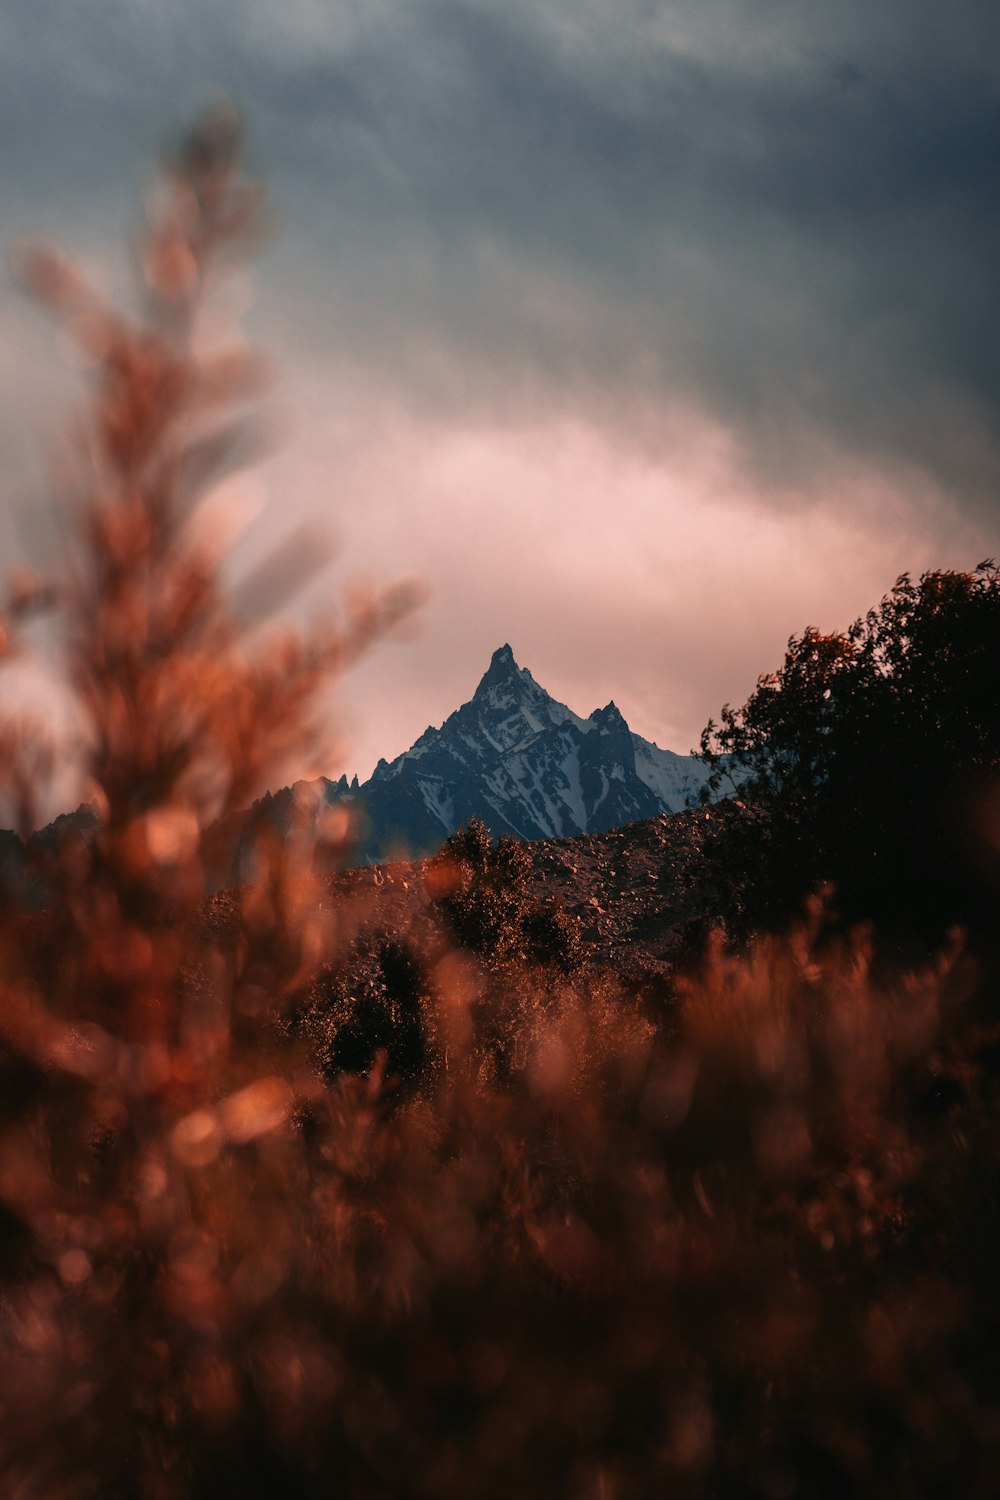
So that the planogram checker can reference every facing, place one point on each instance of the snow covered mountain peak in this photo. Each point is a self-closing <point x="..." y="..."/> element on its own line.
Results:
<point x="502" y="662"/>
<point x="609" y="718"/>
<point x="526" y="764"/>
<point x="504" y="680"/>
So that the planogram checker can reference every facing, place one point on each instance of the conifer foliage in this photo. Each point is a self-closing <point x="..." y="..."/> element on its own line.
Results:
<point x="138" y="1051"/>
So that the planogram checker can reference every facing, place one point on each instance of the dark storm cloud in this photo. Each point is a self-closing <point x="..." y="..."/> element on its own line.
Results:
<point x="795" y="227"/>
<point x="783" y="213"/>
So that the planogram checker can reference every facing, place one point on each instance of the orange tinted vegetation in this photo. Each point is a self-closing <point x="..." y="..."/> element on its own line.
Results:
<point x="737" y="1244"/>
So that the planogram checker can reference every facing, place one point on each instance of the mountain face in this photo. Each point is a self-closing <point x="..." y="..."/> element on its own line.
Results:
<point x="513" y="755"/>
<point x="524" y="763"/>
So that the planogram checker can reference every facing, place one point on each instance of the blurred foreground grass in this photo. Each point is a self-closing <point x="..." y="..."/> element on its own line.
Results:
<point x="740" y="1244"/>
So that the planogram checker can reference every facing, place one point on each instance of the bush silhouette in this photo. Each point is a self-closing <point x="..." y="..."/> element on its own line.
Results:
<point x="489" y="907"/>
<point x="368" y="1008"/>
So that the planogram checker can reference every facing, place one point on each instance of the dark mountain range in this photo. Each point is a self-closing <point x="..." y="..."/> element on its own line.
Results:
<point x="512" y="755"/>
<point x="524" y="763"/>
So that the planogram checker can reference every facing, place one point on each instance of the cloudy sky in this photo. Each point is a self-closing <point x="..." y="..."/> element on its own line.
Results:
<point x="646" y="333"/>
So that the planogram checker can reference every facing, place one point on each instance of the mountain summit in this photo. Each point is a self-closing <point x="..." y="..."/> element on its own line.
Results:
<point x="502" y="672"/>
<point x="524" y="763"/>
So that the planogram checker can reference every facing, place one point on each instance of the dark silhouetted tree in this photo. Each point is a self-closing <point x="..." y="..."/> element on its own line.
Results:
<point x="867" y="760"/>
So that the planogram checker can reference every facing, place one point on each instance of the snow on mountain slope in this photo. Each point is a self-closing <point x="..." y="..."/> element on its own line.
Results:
<point x="671" y="777"/>
<point x="523" y="762"/>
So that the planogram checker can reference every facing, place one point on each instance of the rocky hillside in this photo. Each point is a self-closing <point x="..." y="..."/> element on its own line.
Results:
<point x="631" y="893"/>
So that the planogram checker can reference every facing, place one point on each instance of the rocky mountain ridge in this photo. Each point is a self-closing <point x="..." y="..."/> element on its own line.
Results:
<point x="512" y="755"/>
<point x="523" y="762"/>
